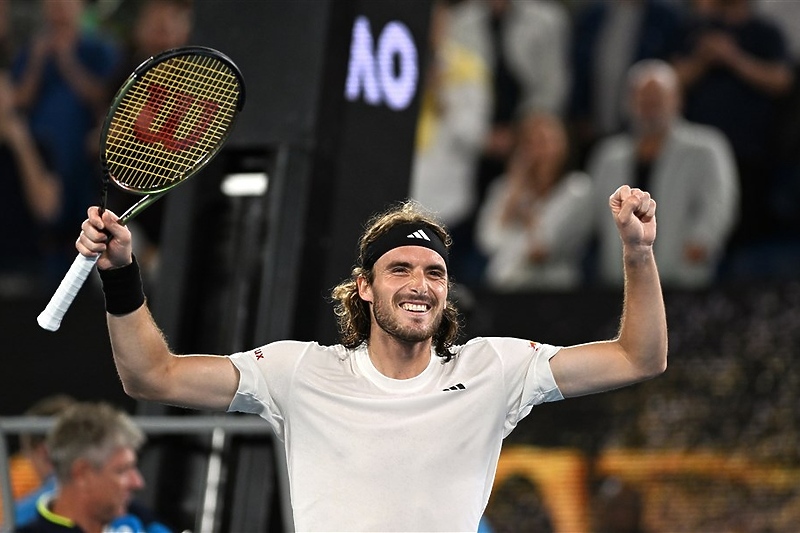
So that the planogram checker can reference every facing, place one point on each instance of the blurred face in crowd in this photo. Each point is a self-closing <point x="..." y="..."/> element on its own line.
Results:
<point x="655" y="101"/>
<point x="161" y="26"/>
<point x="63" y="14"/>
<point x="109" y="488"/>
<point x="544" y="143"/>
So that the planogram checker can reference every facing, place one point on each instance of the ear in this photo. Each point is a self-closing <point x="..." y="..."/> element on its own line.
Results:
<point x="79" y="469"/>
<point x="364" y="289"/>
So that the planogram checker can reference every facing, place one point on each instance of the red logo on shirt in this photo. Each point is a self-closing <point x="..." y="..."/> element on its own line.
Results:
<point x="534" y="345"/>
<point x="259" y="354"/>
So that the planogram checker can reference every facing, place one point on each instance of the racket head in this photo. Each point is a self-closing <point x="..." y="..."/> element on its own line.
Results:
<point x="170" y="118"/>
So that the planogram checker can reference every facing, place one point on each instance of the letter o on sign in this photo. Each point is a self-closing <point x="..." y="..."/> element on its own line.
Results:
<point x="376" y="75"/>
<point x="399" y="88"/>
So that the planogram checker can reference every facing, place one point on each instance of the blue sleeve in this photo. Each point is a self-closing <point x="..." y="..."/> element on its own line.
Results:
<point x="157" y="527"/>
<point x="25" y="508"/>
<point x="125" y="524"/>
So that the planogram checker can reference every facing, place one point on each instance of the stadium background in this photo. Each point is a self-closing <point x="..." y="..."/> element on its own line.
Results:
<point x="710" y="446"/>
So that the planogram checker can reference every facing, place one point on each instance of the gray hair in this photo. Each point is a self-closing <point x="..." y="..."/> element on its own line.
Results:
<point x="90" y="431"/>
<point x="653" y="69"/>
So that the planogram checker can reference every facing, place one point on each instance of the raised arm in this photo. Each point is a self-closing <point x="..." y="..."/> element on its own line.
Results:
<point x="146" y="366"/>
<point x="639" y="351"/>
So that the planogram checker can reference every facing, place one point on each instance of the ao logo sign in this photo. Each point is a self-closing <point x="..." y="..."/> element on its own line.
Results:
<point x="372" y="70"/>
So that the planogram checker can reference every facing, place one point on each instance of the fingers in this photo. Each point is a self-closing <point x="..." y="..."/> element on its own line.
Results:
<point x="627" y="202"/>
<point x="97" y="231"/>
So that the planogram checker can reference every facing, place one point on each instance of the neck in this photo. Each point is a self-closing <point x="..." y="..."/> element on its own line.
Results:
<point x="397" y="359"/>
<point x="649" y="145"/>
<point x="70" y="506"/>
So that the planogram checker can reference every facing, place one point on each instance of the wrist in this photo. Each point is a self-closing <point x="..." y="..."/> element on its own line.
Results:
<point x="637" y="254"/>
<point x="122" y="288"/>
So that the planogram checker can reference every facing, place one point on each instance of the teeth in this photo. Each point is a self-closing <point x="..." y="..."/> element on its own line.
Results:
<point x="415" y="307"/>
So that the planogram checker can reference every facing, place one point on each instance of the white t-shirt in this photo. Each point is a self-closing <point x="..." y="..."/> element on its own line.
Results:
<point x="369" y="453"/>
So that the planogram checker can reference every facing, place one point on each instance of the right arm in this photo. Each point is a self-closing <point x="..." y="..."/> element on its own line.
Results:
<point x="147" y="367"/>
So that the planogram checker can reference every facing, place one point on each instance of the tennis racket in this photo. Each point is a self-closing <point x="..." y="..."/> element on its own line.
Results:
<point x="167" y="121"/>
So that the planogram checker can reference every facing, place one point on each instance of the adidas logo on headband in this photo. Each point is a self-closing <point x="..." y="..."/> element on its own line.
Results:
<point x="419" y="234"/>
<point x="399" y="236"/>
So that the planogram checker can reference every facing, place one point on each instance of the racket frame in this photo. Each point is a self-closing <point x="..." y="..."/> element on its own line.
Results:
<point x="135" y="77"/>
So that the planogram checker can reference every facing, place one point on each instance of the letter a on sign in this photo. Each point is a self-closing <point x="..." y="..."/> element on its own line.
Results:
<point x="178" y="106"/>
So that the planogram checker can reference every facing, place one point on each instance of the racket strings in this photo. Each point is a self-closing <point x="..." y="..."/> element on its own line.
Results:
<point x="177" y="160"/>
<point x="170" y="121"/>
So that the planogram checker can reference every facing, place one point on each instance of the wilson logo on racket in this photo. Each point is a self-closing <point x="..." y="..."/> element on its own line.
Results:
<point x="157" y="96"/>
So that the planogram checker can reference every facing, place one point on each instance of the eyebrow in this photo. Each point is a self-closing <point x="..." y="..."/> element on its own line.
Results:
<point x="430" y="266"/>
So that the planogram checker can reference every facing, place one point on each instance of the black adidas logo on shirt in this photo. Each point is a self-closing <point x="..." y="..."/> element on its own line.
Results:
<point x="458" y="386"/>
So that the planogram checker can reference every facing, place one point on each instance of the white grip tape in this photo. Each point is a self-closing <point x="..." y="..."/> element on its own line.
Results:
<point x="50" y="318"/>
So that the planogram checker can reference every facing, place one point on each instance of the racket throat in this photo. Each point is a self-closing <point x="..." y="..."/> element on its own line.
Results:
<point x="103" y="193"/>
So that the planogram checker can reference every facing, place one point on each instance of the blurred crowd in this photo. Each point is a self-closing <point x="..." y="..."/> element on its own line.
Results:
<point x="61" y="62"/>
<point x="531" y="114"/>
<point x="536" y="111"/>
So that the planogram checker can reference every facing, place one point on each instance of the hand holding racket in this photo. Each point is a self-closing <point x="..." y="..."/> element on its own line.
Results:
<point x="167" y="121"/>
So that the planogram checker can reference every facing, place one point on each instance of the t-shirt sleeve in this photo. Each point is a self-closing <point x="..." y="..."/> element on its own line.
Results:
<point x="265" y="376"/>
<point x="527" y="377"/>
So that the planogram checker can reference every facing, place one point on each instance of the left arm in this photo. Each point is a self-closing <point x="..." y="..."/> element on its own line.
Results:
<point x="639" y="351"/>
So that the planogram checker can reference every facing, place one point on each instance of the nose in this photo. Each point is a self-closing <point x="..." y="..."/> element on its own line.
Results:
<point x="419" y="282"/>
<point x="136" y="479"/>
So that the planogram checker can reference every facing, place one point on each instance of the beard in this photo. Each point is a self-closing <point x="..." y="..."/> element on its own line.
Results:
<point x="387" y="320"/>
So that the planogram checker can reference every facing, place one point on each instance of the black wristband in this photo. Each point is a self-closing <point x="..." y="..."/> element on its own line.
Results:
<point x="123" y="289"/>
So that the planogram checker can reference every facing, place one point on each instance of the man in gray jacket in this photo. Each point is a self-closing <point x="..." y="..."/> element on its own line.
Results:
<point x="689" y="167"/>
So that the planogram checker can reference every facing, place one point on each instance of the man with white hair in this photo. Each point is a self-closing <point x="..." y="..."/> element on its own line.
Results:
<point x="689" y="167"/>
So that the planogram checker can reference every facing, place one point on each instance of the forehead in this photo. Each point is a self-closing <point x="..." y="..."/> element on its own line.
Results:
<point x="416" y="255"/>
<point x="122" y="456"/>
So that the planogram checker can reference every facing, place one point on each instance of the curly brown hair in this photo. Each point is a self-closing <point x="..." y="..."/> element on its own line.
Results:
<point x="353" y="314"/>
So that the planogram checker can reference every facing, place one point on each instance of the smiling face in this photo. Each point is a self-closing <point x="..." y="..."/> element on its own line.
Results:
<point x="408" y="294"/>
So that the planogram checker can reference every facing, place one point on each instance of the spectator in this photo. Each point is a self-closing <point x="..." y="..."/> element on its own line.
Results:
<point x="532" y="225"/>
<point x="525" y="45"/>
<point x="453" y="121"/>
<point x="33" y="451"/>
<point x="785" y="192"/>
<point x="87" y="467"/>
<point x="31" y="194"/>
<point x="61" y="77"/>
<point x="689" y="167"/>
<point x="609" y="37"/>
<point x="29" y="467"/>
<point x="735" y="66"/>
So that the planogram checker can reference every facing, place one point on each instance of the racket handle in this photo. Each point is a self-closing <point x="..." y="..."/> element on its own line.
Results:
<point x="50" y="318"/>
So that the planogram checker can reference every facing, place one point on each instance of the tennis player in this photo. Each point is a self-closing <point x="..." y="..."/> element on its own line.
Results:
<point x="396" y="428"/>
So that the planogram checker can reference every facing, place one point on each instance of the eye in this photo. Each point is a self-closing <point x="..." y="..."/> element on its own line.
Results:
<point x="437" y="273"/>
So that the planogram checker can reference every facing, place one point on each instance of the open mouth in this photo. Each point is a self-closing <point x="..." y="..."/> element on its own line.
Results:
<point x="415" y="307"/>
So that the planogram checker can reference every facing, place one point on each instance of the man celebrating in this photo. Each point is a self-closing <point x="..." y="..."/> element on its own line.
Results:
<point x="396" y="428"/>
